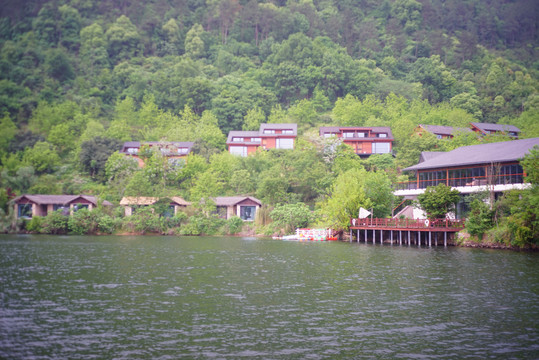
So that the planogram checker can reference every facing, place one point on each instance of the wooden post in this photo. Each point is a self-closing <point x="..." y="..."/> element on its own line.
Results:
<point x="445" y="238"/>
<point x="436" y="239"/>
<point x="409" y="238"/>
<point x="373" y="236"/>
<point x="418" y="238"/>
<point x="366" y="236"/>
<point x="381" y="237"/>
<point x="350" y="235"/>
<point x="430" y="238"/>
<point x="391" y="240"/>
<point x="400" y="237"/>
<point x="357" y="235"/>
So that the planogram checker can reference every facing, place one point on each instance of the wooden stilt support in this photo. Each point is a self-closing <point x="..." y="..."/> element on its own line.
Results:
<point x="409" y="241"/>
<point x="350" y="235"/>
<point x="357" y="233"/>
<point x="400" y="237"/>
<point x="381" y="237"/>
<point x="366" y="236"/>
<point x="391" y="239"/>
<point x="373" y="236"/>
<point x="436" y="239"/>
<point x="445" y="238"/>
<point x="430" y="238"/>
<point x="418" y="238"/>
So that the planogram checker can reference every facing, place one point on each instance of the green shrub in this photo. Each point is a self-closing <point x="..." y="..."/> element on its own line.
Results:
<point x="55" y="223"/>
<point x="144" y="220"/>
<point x="82" y="222"/>
<point x="235" y="225"/>
<point x="34" y="225"/>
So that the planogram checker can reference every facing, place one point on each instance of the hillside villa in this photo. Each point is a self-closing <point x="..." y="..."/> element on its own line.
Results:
<point x="269" y="136"/>
<point x="173" y="150"/>
<point x="364" y="140"/>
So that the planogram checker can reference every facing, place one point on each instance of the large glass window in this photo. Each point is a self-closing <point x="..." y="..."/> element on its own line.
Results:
<point x="238" y="150"/>
<point x="348" y="134"/>
<point x="268" y="131"/>
<point x="256" y="140"/>
<point x="285" y="143"/>
<point x="247" y="213"/>
<point x="380" y="148"/>
<point x="288" y="132"/>
<point x="237" y="139"/>
<point x="25" y="210"/>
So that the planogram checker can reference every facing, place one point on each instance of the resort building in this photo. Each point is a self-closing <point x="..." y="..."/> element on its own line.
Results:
<point x="28" y="206"/>
<point x="441" y="132"/>
<point x="269" y="136"/>
<point x="364" y="140"/>
<point x="173" y="150"/>
<point x="245" y="207"/>
<point x="132" y="203"/>
<point x="469" y="169"/>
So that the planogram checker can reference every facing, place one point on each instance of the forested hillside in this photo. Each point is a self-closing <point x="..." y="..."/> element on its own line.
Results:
<point x="79" y="77"/>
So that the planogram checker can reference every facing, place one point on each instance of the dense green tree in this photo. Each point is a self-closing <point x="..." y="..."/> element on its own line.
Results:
<point x="438" y="201"/>
<point x="94" y="155"/>
<point x="289" y="217"/>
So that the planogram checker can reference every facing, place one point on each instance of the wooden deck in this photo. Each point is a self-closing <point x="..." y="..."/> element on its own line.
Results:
<point x="440" y="225"/>
<point x="415" y="231"/>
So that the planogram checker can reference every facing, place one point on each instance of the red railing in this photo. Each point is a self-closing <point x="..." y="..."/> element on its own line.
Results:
<point x="408" y="223"/>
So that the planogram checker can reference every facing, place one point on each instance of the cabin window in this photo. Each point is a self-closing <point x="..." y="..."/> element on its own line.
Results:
<point x="380" y="148"/>
<point x="328" y="135"/>
<point x="382" y="135"/>
<point x="269" y="131"/>
<point x="132" y="150"/>
<point x="285" y="144"/>
<point x="239" y="150"/>
<point x="77" y="207"/>
<point x="256" y="140"/>
<point x="348" y="134"/>
<point x="360" y="134"/>
<point x="288" y="132"/>
<point x="237" y="139"/>
<point x="247" y="213"/>
<point x="183" y="151"/>
<point x="439" y="136"/>
<point x="25" y="211"/>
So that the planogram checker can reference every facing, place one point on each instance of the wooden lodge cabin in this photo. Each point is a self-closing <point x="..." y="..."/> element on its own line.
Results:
<point x="173" y="150"/>
<point x="441" y="132"/>
<point x="364" y="140"/>
<point x="269" y="136"/>
<point x="245" y="207"/>
<point x="482" y="129"/>
<point x="132" y="203"/>
<point x="28" y="206"/>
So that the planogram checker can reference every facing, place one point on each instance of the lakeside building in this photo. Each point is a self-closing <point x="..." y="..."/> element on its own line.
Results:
<point x="482" y="129"/>
<point x="364" y="140"/>
<point x="245" y="207"/>
<point x="269" y="136"/>
<point x="493" y="167"/>
<point x="28" y="206"/>
<point x="173" y="150"/>
<point x="132" y="203"/>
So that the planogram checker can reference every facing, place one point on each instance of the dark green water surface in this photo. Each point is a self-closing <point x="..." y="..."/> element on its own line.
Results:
<point x="230" y="298"/>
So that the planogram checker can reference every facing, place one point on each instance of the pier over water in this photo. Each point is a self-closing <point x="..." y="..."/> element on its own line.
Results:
<point x="411" y="231"/>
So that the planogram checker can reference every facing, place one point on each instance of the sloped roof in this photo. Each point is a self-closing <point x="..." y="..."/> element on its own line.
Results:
<point x="427" y="155"/>
<point x="58" y="199"/>
<point x="233" y="200"/>
<point x="244" y="134"/>
<point x="444" y="130"/>
<point x="148" y="200"/>
<point x="495" y="127"/>
<point x="498" y="152"/>
<point x="373" y="129"/>
<point x="286" y="126"/>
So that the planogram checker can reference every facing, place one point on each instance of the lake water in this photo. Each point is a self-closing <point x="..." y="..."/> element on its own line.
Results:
<point x="122" y="297"/>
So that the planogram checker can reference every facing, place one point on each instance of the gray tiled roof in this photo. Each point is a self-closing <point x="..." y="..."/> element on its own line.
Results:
<point x="374" y="129"/>
<point x="244" y="134"/>
<point x="293" y="127"/>
<point x="233" y="200"/>
<point x="496" y="127"/>
<point x="444" y="130"/>
<point x="59" y="199"/>
<point x="427" y="155"/>
<point x="479" y="154"/>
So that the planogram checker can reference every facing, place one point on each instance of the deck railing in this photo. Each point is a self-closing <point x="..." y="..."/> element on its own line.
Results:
<point x="461" y="181"/>
<point x="408" y="223"/>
